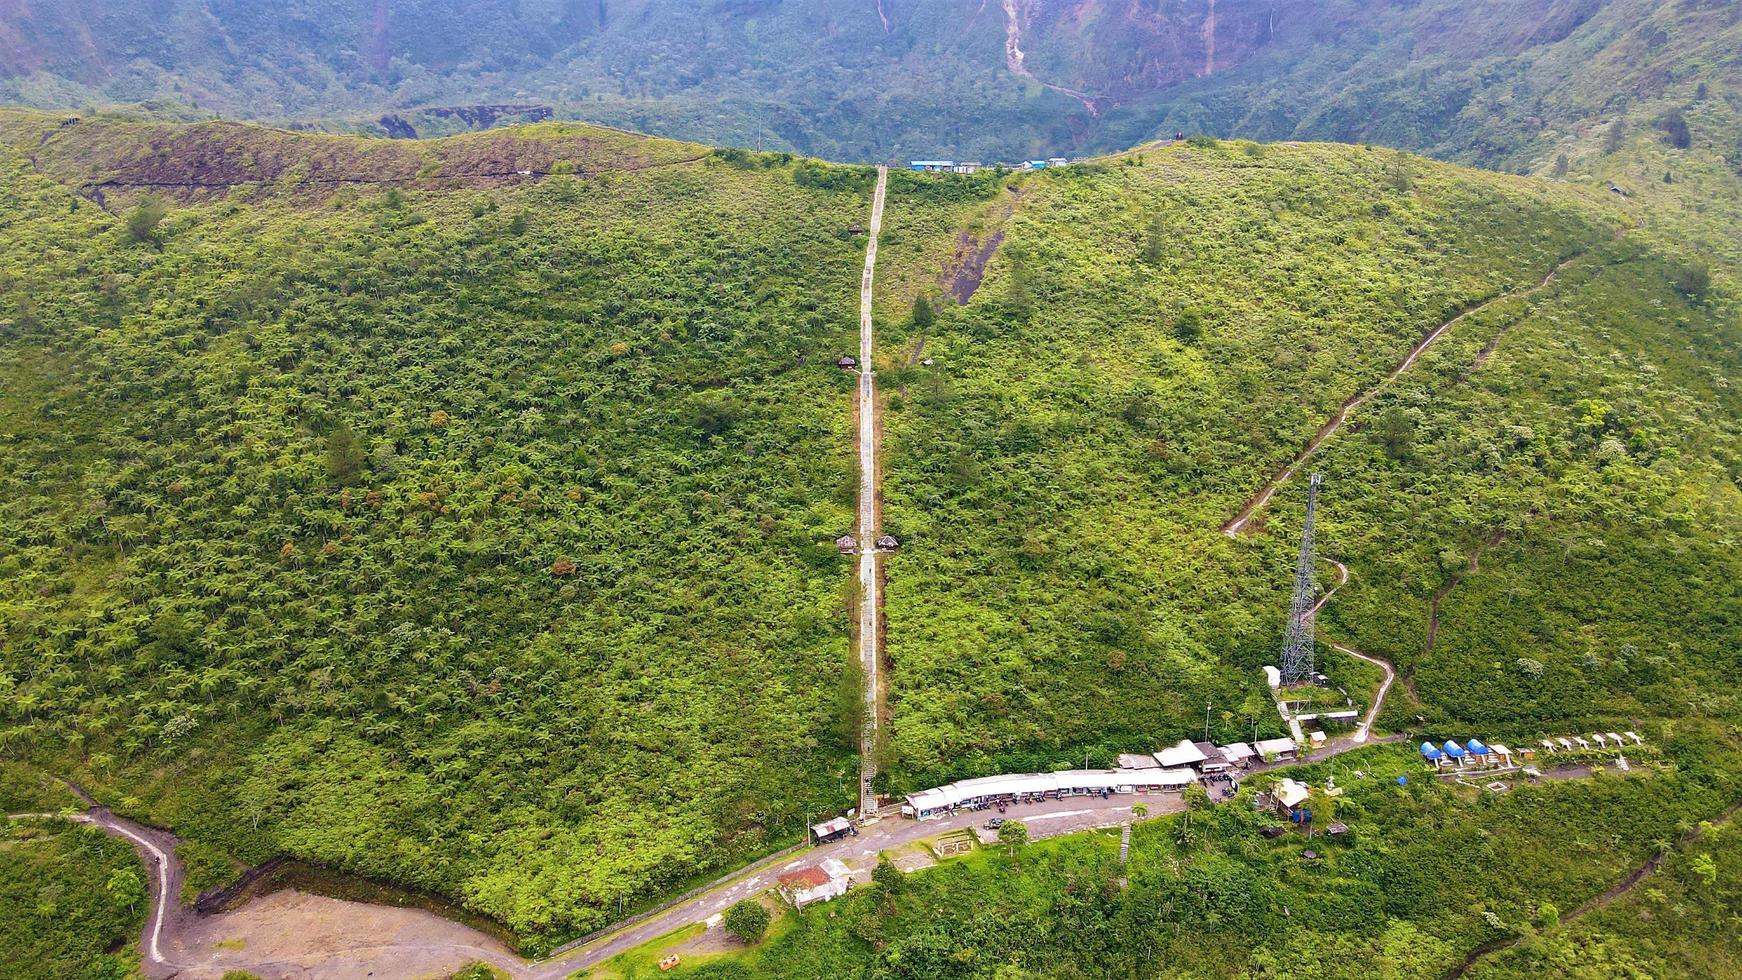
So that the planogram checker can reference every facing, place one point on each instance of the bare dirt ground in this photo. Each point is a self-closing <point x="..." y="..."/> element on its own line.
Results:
<point x="292" y="934"/>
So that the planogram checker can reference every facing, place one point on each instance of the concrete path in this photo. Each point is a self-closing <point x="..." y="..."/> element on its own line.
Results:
<point x="870" y="602"/>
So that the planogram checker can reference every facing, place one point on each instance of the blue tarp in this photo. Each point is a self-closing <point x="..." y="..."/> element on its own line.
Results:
<point x="1477" y="747"/>
<point x="1454" y="750"/>
<point x="1429" y="752"/>
<point x="1403" y="780"/>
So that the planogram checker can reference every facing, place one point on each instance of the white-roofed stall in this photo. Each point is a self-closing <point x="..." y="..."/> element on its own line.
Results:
<point x="1036" y="786"/>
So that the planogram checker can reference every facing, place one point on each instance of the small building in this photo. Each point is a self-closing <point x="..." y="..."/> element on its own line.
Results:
<point x="932" y="166"/>
<point x="1616" y="738"/>
<point x="1273" y="677"/>
<point x="1566" y="746"/>
<point x="1214" y="760"/>
<point x="828" y="830"/>
<point x="846" y="545"/>
<point x="855" y="229"/>
<point x="1276" y="749"/>
<point x="1432" y="753"/>
<point x="1290" y="798"/>
<point x="817" y="883"/>
<point x="888" y="543"/>
<point x="1636" y="739"/>
<point x="1601" y="740"/>
<point x="1034" y="164"/>
<point x="846" y="363"/>
<point x="1239" y="754"/>
<point x="1502" y="753"/>
<point x="1184" y="753"/>
<point x="1056" y="161"/>
<point x="1479" y="753"/>
<point x="965" y="168"/>
<point x="1337" y="829"/>
<point x="1134" y="760"/>
<point x="1455" y="752"/>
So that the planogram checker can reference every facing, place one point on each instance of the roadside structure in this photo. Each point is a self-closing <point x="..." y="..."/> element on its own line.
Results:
<point x="817" y="883"/>
<point x="1034" y="787"/>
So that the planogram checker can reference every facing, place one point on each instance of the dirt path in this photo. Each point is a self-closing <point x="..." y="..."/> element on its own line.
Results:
<point x="1470" y="568"/>
<point x="1364" y="730"/>
<point x="1335" y="422"/>
<point x="870" y="594"/>
<point x="1017" y="61"/>
<point x="1607" y="896"/>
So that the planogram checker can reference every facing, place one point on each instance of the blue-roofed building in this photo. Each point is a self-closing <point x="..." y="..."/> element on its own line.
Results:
<point x="932" y="166"/>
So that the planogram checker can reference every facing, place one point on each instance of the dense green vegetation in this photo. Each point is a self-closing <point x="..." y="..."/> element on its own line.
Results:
<point x="71" y="899"/>
<point x="1678" y="922"/>
<point x="1428" y="873"/>
<point x="371" y="503"/>
<point x="476" y="540"/>
<point x="1158" y="335"/>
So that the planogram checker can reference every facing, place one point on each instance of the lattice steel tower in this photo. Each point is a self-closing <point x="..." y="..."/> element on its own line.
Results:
<point x="1297" y="647"/>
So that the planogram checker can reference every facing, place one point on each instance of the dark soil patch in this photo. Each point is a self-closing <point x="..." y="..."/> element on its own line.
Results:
<point x="968" y="268"/>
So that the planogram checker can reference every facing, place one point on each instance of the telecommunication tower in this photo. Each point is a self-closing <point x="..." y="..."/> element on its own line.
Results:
<point x="1297" y="646"/>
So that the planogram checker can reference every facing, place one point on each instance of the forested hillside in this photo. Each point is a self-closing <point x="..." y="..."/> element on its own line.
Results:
<point x="459" y="512"/>
<point x="1157" y="334"/>
<point x="475" y="538"/>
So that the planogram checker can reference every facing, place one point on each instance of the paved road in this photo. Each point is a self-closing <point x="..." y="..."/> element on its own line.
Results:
<point x="870" y="603"/>
<point x="1341" y="415"/>
<point x="177" y="942"/>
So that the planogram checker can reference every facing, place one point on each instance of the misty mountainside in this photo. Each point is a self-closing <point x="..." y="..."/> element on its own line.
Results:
<point x="1484" y="82"/>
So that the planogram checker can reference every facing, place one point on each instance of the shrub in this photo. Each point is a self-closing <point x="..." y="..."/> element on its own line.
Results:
<point x="1694" y="280"/>
<point x="747" y="920"/>
<point x="143" y="220"/>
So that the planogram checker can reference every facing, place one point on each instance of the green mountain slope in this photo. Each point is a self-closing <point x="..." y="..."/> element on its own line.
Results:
<point x="1157" y="336"/>
<point x="473" y="538"/>
<point x="469" y="528"/>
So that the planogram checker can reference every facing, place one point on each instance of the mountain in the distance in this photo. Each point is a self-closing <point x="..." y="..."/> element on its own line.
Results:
<point x="1484" y="81"/>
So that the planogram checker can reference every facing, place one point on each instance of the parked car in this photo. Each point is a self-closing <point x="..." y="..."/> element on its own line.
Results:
<point x="994" y="823"/>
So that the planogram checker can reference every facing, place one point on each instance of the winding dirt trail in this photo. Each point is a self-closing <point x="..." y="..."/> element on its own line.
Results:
<point x="1257" y="501"/>
<point x="1596" y="902"/>
<point x="1470" y="568"/>
<point x="1018" y="62"/>
<point x="1364" y="730"/>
